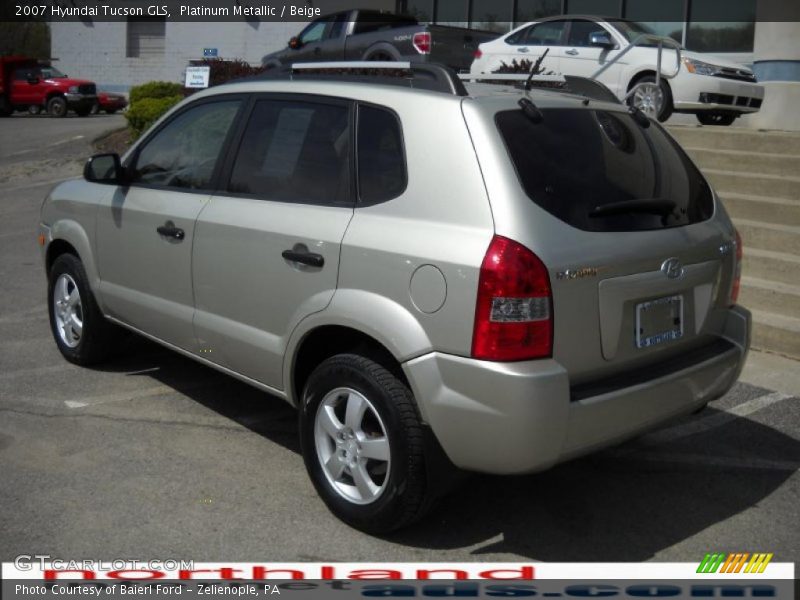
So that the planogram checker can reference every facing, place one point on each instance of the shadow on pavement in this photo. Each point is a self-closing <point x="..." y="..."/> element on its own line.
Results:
<point x="620" y="509"/>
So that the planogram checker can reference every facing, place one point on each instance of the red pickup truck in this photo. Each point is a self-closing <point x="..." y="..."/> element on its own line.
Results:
<point x="24" y="83"/>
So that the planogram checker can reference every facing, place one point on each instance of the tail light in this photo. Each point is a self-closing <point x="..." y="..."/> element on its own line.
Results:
<point x="513" y="313"/>
<point x="477" y="54"/>
<point x="422" y="42"/>
<point x="737" y="269"/>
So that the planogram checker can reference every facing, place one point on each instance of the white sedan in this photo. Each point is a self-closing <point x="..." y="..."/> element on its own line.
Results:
<point x="716" y="90"/>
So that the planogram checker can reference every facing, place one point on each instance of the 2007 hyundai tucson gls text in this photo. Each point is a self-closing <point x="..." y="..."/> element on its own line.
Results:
<point x="434" y="274"/>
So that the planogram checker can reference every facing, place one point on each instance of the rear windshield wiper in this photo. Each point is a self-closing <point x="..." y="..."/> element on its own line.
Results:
<point x="655" y="206"/>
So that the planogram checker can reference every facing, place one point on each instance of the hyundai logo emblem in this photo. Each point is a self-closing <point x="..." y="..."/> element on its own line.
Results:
<point x="672" y="268"/>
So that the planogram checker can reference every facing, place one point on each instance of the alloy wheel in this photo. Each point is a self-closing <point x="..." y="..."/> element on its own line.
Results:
<point x="649" y="98"/>
<point x="68" y="310"/>
<point x="352" y="446"/>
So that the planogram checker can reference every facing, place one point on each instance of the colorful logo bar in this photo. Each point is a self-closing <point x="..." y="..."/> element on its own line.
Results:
<point x="739" y="562"/>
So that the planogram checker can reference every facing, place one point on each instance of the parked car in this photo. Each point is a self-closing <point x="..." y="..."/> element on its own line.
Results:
<point x="716" y="90"/>
<point x="27" y="85"/>
<point x="373" y="35"/>
<point x="109" y="102"/>
<point x="478" y="277"/>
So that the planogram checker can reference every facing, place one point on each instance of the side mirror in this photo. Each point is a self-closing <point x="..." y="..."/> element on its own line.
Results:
<point x="294" y="43"/>
<point x="33" y="80"/>
<point x="602" y="39"/>
<point x="104" y="168"/>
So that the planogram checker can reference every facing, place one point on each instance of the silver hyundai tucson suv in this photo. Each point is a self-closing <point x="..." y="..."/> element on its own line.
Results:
<point x="440" y="277"/>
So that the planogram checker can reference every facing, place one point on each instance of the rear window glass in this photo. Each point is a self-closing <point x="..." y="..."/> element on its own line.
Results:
<point x="601" y="171"/>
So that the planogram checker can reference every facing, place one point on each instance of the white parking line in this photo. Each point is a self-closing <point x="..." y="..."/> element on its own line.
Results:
<point x="72" y="139"/>
<point x="713" y="421"/>
<point x="159" y="390"/>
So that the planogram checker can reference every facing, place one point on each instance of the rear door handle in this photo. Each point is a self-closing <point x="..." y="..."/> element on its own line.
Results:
<point x="168" y="229"/>
<point x="306" y="258"/>
<point x="572" y="52"/>
<point x="523" y="49"/>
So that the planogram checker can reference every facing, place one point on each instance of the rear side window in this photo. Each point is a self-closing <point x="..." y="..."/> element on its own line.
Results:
<point x="295" y="152"/>
<point x="381" y="159"/>
<point x="550" y="33"/>
<point x="601" y="171"/>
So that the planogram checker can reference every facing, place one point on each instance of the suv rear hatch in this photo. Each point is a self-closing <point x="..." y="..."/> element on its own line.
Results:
<point x="640" y="262"/>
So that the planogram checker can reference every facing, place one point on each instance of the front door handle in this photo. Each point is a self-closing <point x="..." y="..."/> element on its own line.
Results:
<point x="572" y="52"/>
<point x="523" y="49"/>
<point x="168" y="229"/>
<point x="306" y="258"/>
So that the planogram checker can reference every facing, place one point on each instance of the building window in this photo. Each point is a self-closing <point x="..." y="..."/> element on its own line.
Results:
<point x="146" y="37"/>
<point x="452" y="12"/>
<point x="421" y="10"/>
<point x="664" y="17"/>
<point x="734" y="35"/>
<point x="601" y="8"/>
<point x="531" y="10"/>
<point x="491" y="15"/>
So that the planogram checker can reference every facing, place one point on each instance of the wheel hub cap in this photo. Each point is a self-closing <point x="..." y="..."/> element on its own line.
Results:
<point x="648" y="98"/>
<point x="352" y="446"/>
<point x="68" y="310"/>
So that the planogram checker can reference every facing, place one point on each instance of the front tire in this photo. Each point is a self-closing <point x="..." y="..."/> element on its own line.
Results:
<point x="363" y="444"/>
<point x="57" y="107"/>
<point x="721" y="119"/>
<point x="82" y="334"/>
<point x="653" y="100"/>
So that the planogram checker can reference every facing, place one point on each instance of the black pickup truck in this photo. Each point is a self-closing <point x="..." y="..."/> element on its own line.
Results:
<point x="372" y="35"/>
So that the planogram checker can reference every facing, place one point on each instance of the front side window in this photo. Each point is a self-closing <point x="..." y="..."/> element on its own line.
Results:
<point x="381" y="159"/>
<point x="314" y="32"/>
<point x="581" y="31"/>
<point x="295" y="151"/>
<point x="601" y="171"/>
<point x="184" y="153"/>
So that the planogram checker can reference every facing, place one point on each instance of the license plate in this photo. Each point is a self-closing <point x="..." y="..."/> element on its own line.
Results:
<point x="659" y="321"/>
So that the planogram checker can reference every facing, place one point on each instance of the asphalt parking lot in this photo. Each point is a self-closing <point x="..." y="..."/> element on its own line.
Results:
<point x="154" y="456"/>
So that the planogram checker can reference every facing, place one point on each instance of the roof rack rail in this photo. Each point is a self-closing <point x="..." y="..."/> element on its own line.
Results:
<point x="569" y="84"/>
<point x="425" y="76"/>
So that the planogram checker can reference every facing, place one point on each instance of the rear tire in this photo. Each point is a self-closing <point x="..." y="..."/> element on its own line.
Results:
<point x="381" y="56"/>
<point x="654" y="101"/>
<point x="111" y="111"/>
<point x="81" y="332"/>
<point x="712" y="118"/>
<point x="363" y="444"/>
<point x="5" y="107"/>
<point x="57" y="107"/>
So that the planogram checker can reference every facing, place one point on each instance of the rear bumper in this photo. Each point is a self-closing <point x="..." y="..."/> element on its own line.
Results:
<point x="519" y="417"/>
